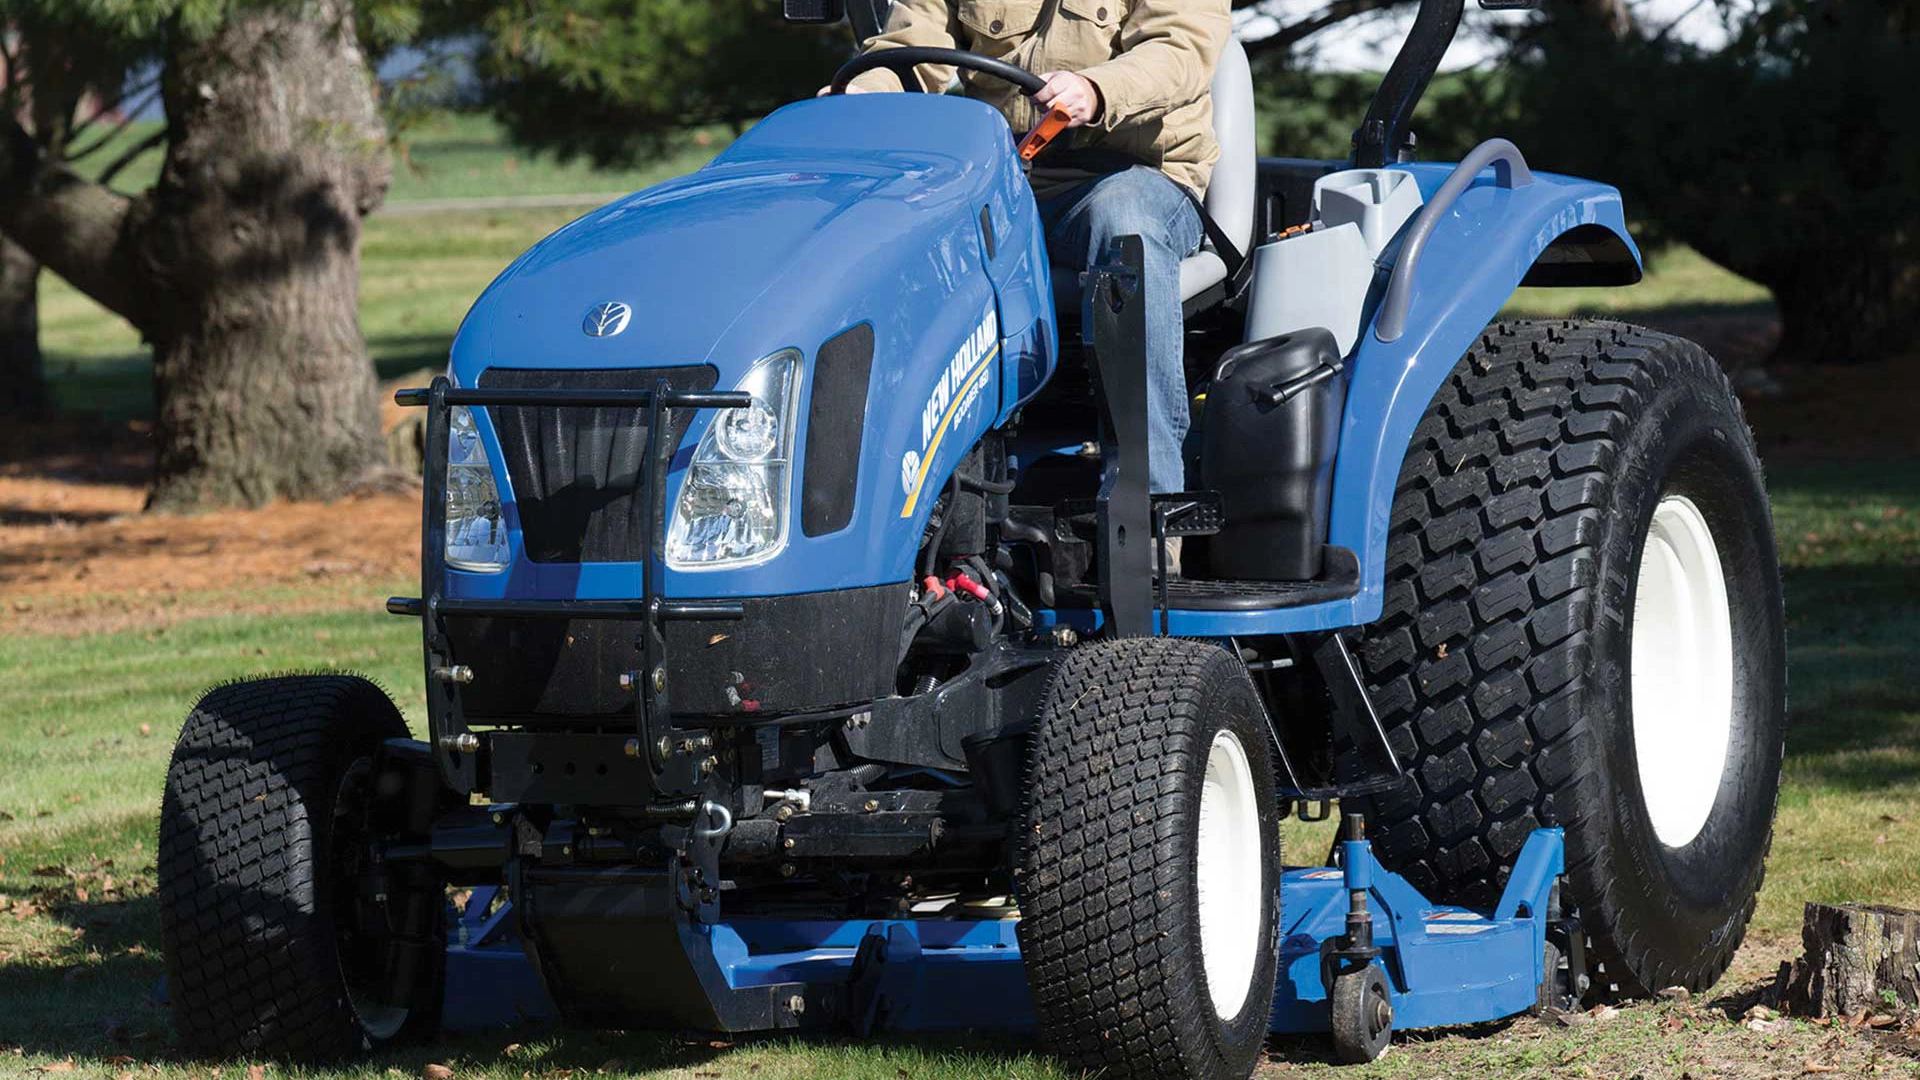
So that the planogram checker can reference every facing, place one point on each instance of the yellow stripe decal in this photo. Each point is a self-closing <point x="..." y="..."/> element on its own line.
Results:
<point x="933" y="446"/>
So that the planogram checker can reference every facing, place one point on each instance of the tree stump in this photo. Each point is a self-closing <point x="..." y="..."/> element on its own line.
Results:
<point x="1856" y="955"/>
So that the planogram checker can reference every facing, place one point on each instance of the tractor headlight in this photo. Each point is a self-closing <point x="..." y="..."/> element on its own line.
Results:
<point x="733" y="503"/>
<point x="476" y="533"/>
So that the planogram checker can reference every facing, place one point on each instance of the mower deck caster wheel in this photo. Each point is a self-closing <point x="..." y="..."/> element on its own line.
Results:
<point x="1361" y="1015"/>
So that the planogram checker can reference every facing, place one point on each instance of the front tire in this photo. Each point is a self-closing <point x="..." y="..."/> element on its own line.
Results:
<point x="1148" y="865"/>
<point x="276" y="944"/>
<point x="1584" y="628"/>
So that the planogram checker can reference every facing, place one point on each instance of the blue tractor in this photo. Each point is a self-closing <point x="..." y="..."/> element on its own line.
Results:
<point x="798" y="651"/>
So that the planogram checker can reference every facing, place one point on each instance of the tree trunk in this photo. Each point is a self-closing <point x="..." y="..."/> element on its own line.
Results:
<point x="1859" y="959"/>
<point x="1847" y="306"/>
<point x="23" y="389"/>
<point x="261" y="377"/>
<point x="242" y="265"/>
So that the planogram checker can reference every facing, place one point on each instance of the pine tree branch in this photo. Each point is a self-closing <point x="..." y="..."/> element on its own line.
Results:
<point x="1295" y="32"/>
<point x="72" y="226"/>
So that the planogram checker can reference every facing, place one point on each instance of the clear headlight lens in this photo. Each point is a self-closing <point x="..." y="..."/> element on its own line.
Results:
<point x="476" y="532"/>
<point x="732" y="509"/>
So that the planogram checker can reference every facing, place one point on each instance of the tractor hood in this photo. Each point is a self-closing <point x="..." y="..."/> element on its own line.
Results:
<point x="805" y="226"/>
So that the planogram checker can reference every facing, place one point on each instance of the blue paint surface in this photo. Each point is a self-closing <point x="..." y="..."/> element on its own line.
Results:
<point x="1444" y="965"/>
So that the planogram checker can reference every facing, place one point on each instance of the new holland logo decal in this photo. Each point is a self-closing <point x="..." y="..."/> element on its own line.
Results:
<point x="607" y="320"/>
<point x="953" y="395"/>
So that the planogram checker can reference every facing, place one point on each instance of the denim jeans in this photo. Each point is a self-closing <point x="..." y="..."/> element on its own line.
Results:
<point x="1142" y="201"/>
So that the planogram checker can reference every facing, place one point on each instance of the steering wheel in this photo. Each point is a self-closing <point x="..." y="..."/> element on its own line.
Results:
<point x="902" y="61"/>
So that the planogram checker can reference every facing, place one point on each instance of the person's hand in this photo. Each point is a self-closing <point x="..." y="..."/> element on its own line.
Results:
<point x="851" y="89"/>
<point x="1071" y="93"/>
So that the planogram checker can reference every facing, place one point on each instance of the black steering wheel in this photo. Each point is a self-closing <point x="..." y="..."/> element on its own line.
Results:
<point x="902" y="61"/>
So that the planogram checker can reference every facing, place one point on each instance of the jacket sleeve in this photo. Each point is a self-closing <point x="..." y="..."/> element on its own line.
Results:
<point x="932" y="23"/>
<point x="1168" y="50"/>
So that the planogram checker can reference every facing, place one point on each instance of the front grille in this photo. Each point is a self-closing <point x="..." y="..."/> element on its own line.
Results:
<point x="577" y="473"/>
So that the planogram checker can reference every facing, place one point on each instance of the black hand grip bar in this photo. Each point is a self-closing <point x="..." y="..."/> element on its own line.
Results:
<point x="902" y="61"/>
<point x="1509" y="171"/>
<point x="586" y="399"/>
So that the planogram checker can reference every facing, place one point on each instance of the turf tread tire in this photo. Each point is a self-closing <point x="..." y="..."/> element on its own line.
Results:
<point x="252" y="966"/>
<point x="1482" y="664"/>
<point x="1106" y="864"/>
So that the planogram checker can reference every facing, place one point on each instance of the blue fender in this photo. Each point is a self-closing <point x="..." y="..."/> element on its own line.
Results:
<point x="1480" y="250"/>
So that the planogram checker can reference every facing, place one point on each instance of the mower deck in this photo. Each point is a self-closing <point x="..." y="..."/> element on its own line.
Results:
<point x="1444" y="965"/>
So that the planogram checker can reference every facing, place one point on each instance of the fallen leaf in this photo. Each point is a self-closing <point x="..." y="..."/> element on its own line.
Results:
<point x="57" y="1067"/>
<point x="1881" y="1020"/>
<point x="146" y="729"/>
<point x="256" y="1072"/>
<point x="512" y="1049"/>
<point x="80" y="895"/>
<point x="1603" y="1012"/>
<point x="1673" y="1024"/>
<point x="1812" y="1067"/>
<point x="436" y="1072"/>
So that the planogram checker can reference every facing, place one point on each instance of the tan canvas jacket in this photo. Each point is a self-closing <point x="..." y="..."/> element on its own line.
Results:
<point x="1152" y="61"/>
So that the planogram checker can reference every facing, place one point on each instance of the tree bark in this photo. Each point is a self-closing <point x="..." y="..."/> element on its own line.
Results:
<point x="241" y="267"/>
<point x="261" y="377"/>
<point x="1859" y="958"/>
<point x="23" y="388"/>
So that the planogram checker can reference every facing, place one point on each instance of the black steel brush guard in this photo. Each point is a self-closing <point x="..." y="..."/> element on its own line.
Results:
<point x="457" y="748"/>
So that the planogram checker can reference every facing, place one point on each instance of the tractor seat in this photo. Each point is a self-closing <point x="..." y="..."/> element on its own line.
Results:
<point x="1231" y="193"/>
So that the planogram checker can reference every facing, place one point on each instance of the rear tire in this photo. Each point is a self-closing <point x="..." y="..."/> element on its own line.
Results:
<point x="263" y="918"/>
<point x="1584" y="627"/>
<point x="1148" y="865"/>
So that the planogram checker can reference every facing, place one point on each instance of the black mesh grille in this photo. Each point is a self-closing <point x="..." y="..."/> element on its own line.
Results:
<point x="576" y="473"/>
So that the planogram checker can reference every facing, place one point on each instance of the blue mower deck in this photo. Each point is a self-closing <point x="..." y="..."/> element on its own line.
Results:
<point x="1444" y="965"/>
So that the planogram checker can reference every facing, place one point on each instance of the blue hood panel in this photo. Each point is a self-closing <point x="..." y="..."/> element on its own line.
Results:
<point x="790" y="236"/>
<point x="829" y="213"/>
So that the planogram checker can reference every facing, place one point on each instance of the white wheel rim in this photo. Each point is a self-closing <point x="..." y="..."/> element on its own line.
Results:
<point x="1229" y="874"/>
<point x="1682" y="671"/>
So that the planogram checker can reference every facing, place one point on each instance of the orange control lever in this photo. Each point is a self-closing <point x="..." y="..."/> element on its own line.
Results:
<point x="1043" y="134"/>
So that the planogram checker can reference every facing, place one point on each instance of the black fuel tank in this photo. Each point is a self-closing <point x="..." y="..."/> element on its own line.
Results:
<point x="1272" y="424"/>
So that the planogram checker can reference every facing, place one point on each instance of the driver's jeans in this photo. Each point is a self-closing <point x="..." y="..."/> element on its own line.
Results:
<point x="1142" y="201"/>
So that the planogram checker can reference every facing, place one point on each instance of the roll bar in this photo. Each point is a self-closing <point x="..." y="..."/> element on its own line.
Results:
<point x="1383" y="135"/>
<point x="1509" y="171"/>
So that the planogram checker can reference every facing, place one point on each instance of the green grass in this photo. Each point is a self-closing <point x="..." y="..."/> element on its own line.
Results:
<point x="80" y="783"/>
<point x="456" y="156"/>
<point x="1679" y="281"/>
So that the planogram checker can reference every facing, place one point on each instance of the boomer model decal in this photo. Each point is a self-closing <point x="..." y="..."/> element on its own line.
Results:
<point x="953" y="395"/>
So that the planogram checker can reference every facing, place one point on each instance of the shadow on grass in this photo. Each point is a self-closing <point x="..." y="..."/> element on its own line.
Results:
<point x="395" y="355"/>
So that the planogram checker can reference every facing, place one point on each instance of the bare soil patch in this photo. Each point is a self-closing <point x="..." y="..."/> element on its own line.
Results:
<point x="78" y="554"/>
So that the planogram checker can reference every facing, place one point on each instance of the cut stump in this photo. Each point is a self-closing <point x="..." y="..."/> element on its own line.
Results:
<point x="1856" y="956"/>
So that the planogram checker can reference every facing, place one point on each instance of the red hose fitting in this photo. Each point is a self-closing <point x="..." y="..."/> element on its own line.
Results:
<point x="960" y="582"/>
